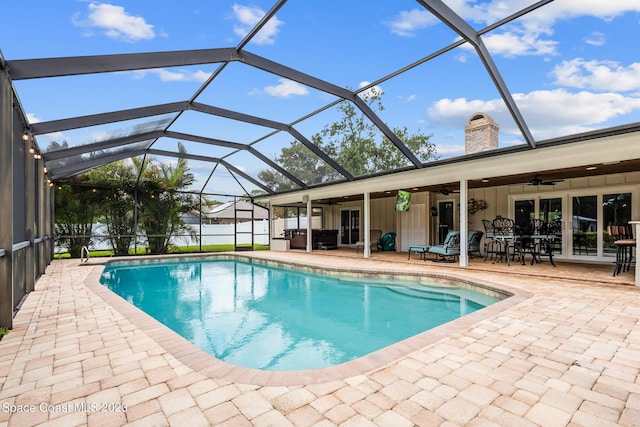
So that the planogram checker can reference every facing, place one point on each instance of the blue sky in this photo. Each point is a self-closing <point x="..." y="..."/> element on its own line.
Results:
<point x="572" y="66"/>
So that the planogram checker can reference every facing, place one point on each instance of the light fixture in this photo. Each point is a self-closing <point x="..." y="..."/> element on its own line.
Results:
<point x="44" y="169"/>
<point x="32" y="150"/>
<point x="485" y="180"/>
<point x="26" y="135"/>
<point x="592" y="168"/>
<point x="434" y="211"/>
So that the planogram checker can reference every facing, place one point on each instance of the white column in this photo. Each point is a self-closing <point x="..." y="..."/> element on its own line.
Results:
<point x="367" y="226"/>
<point x="464" y="232"/>
<point x="636" y="233"/>
<point x="309" y="232"/>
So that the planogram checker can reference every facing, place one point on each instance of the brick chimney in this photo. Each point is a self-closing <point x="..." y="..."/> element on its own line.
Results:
<point x="480" y="134"/>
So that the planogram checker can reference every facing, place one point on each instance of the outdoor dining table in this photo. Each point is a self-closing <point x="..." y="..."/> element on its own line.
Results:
<point x="506" y="241"/>
<point x="505" y="234"/>
<point x="539" y="245"/>
<point x="536" y="238"/>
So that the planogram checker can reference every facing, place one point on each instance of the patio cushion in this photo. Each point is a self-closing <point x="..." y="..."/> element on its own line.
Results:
<point x="450" y="247"/>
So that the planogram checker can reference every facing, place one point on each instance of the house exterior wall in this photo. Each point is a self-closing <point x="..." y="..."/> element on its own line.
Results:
<point x="497" y="198"/>
<point x="385" y="218"/>
<point x="382" y="211"/>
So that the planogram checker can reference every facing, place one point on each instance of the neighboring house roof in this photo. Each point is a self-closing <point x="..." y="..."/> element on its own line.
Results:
<point x="240" y="209"/>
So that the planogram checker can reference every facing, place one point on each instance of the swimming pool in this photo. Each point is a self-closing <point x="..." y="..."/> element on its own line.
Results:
<point x="265" y="317"/>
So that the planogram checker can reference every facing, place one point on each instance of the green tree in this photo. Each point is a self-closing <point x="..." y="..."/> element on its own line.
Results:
<point x="161" y="201"/>
<point x="117" y="203"/>
<point x="76" y="207"/>
<point x="354" y="143"/>
<point x="107" y="194"/>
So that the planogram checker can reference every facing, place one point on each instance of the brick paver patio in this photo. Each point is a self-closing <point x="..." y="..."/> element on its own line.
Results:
<point x="567" y="353"/>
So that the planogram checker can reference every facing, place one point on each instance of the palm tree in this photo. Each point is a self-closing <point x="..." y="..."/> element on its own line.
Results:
<point x="161" y="201"/>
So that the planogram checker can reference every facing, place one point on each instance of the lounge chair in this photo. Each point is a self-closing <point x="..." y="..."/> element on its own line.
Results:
<point x="374" y="240"/>
<point x="449" y="250"/>
<point x="419" y="249"/>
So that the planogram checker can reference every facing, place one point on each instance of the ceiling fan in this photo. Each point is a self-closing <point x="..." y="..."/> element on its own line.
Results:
<point x="445" y="192"/>
<point x="537" y="180"/>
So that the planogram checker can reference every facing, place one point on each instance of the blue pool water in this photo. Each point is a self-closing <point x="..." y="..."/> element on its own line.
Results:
<point x="264" y="317"/>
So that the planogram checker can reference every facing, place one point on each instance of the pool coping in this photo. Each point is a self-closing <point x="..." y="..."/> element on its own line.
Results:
<point x="206" y="364"/>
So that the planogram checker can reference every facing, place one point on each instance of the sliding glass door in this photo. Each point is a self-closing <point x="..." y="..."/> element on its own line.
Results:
<point x="583" y="218"/>
<point x="349" y="226"/>
<point x="616" y="210"/>
<point x="546" y="209"/>
<point x="584" y="225"/>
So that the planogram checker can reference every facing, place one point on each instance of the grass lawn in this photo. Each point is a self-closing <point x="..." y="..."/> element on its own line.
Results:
<point x="175" y="250"/>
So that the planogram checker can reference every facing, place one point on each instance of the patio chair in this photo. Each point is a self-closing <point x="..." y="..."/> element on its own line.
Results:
<point x="510" y="243"/>
<point x="490" y="243"/>
<point x="540" y="241"/>
<point x="625" y="243"/>
<point x="449" y="250"/>
<point x="475" y="236"/>
<point x="374" y="240"/>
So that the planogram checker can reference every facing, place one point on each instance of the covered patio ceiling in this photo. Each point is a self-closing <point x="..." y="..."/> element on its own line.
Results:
<point x="544" y="178"/>
<point x="229" y="142"/>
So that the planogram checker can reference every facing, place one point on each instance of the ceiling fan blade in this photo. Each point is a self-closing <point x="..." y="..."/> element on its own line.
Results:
<point x="536" y="180"/>
<point x="446" y="192"/>
<point x="552" y="181"/>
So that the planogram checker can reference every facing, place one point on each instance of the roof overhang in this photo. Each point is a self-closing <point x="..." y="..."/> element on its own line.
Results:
<point x="610" y="153"/>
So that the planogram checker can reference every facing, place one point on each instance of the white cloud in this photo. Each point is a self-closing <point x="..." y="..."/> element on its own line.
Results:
<point x="98" y="136"/>
<point x="567" y="9"/>
<point x="461" y="57"/>
<point x="407" y="22"/>
<point x="447" y="150"/>
<point x="598" y="75"/>
<point x="371" y="92"/>
<point x="31" y="118"/>
<point x="173" y="76"/>
<point x="248" y="17"/>
<point x="518" y="42"/>
<point x="529" y="35"/>
<point x="115" y="22"/>
<point x="286" y="88"/>
<point x="547" y="113"/>
<point x="596" y="39"/>
<point x="241" y="168"/>
<point x="54" y="136"/>
<point x="494" y="10"/>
